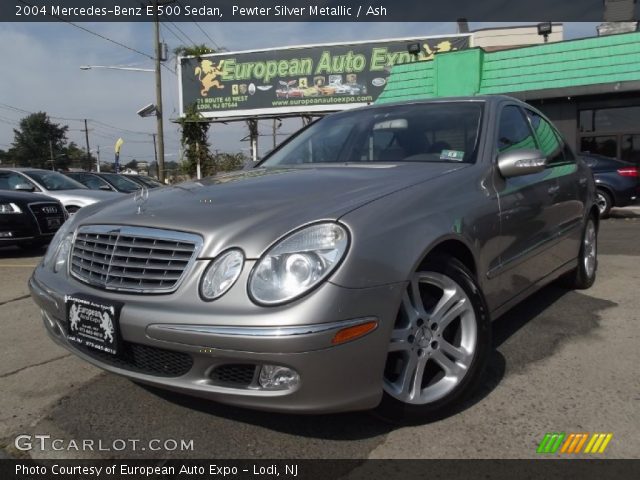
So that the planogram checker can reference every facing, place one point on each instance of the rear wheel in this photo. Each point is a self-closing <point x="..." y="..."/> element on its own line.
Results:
<point x="584" y="274"/>
<point x="439" y="346"/>
<point x="604" y="202"/>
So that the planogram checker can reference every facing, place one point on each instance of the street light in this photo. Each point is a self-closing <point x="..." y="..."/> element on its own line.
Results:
<point x="158" y="106"/>
<point x="115" y="67"/>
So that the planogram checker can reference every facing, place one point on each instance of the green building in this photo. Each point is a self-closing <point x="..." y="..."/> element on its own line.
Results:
<point x="590" y="88"/>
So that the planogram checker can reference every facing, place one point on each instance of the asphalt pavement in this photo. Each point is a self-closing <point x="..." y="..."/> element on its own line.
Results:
<point x="564" y="361"/>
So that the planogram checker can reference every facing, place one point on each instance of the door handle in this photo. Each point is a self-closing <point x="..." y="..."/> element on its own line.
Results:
<point x="582" y="181"/>
<point x="553" y="190"/>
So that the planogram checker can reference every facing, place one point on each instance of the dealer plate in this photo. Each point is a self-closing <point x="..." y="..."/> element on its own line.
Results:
<point x="93" y="322"/>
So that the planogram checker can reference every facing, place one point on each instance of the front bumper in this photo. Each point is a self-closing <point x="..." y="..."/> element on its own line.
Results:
<point x="298" y="336"/>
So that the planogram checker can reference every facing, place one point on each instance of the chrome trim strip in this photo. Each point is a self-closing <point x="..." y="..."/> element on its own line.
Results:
<point x="286" y="331"/>
<point x="143" y="232"/>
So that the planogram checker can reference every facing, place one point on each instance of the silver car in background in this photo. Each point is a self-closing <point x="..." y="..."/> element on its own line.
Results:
<point x="358" y="266"/>
<point x="73" y="195"/>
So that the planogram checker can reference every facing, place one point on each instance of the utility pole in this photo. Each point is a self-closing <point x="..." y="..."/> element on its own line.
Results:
<point x="86" y="137"/>
<point x="158" y="93"/>
<point x="51" y="153"/>
<point x="155" y="154"/>
<point x="274" y="133"/>
<point x="98" y="163"/>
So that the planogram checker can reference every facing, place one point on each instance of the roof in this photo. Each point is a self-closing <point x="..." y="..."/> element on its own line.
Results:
<point x="540" y="71"/>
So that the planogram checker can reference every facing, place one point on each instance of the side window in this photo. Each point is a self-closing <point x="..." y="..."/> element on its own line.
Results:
<point x="549" y="140"/>
<point x="9" y="181"/>
<point x="514" y="132"/>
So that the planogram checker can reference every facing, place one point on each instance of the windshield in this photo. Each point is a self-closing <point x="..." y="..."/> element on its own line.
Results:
<point x="54" y="180"/>
<point x="121" y="183"/>
<point x="428" y="132"/>
<point x="148" y="181"/>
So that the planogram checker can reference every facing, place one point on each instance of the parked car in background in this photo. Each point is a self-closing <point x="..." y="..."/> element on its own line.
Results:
<point x="73" y="195"/>
<point x="112" y="182"/>
<point x="358" y="266"/>
<point x="144" y="180"/>
<point x="617" y="182"/>
<point x="29" y="220"/>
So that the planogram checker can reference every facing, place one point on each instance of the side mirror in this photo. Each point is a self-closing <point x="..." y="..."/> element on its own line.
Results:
<point x="521" y="162"/>
<point x="24" y="187"/>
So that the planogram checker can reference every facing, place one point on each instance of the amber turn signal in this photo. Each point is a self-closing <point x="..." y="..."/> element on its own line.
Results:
<point x="351" y="333"/>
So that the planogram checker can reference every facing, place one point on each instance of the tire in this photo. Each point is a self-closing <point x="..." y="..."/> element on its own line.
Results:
<point x="33" y="245"/>
<point x="584" y="275"/>
<point x="604" y="202"/>
<point x="450" y="316"/>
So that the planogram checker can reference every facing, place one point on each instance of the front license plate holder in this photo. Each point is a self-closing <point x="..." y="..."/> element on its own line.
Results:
<point x="94" y="323"/>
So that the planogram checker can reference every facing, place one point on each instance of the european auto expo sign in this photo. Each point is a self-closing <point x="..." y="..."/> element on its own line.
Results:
<point x="299" y="79"/>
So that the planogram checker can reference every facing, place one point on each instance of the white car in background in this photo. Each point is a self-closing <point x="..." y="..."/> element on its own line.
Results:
<point x="73" y="195"/>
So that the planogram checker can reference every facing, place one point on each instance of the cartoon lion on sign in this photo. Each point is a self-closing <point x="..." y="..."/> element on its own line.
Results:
<point x="207" y="74"/>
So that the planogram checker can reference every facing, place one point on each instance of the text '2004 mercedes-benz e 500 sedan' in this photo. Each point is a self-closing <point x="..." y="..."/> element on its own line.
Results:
<point x="358" y="266"/>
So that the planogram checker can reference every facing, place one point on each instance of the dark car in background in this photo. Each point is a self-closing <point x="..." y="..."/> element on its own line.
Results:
<point x="617" y="182"/>
<point x="144" y="180"/>
<point x="105" y="181"/>
<point x="29" y="220"/>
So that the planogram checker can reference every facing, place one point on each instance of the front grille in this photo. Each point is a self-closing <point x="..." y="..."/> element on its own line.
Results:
<point x="236" y="375"/>
<point x="144" y="359"/>
<point x="135" y="259"/>
<point x="49" y="216"/>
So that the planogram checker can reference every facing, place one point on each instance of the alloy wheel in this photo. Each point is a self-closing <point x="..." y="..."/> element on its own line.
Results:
<point x="433" y="341"/>
<point x="590" y="249"/>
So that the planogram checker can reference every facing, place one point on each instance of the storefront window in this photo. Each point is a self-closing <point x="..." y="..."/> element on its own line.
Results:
<point x="610" y="120"/>
<point x="630" y="148"/>
<point x="605" y="145"/>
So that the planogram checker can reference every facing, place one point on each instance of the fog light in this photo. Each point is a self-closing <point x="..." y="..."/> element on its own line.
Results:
<point x="6" y="234"/>
<point x="275" y="377"/>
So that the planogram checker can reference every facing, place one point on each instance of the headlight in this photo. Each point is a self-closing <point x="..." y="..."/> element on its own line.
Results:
<point x="9" y="208"/>
<point x="63" y="253"/>
<point x="298" y="263"/>
<point x="59" y="247"/>
<point x="221" y="274"/>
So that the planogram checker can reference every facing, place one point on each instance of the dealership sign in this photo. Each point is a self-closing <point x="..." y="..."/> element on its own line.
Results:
<point x="302" y="79"/>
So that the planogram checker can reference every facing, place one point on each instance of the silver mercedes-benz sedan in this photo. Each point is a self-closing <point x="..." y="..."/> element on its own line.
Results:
<point x="359" y="266"/>
<point x="73" y="195"/>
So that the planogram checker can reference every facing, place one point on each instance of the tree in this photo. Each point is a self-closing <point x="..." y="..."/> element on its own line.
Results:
<point x="228" y="162"/>
<point x="133" y="164"/>
<point x="195" y="143"/>
<point x="35" y="141"/>
<point x="77" y="158"/>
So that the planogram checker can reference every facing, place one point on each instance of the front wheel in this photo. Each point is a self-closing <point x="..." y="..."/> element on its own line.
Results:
<point x="439" y="346"/>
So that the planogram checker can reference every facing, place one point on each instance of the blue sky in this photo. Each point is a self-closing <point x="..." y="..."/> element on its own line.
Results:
<point x="41" y="73"/>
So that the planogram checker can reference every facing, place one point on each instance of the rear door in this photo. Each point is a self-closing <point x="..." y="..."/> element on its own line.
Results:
<point x="527" y="225"/>
<point x="569" y="200"/>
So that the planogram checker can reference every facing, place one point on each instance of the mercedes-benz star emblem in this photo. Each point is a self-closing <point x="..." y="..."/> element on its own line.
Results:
<point x="141" y="197"/>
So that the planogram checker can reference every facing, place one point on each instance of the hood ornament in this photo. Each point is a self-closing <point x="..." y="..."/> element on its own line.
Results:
<point x="141" y="197"/>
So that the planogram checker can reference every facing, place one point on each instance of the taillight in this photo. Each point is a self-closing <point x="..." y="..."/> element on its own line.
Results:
<point x="628" y="172"/>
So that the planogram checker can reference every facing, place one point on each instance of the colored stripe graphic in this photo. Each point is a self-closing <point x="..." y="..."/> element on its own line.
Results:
<point x="550" y="443"/>
<point x="572" y="443"/>
<point x="598" y="443"/>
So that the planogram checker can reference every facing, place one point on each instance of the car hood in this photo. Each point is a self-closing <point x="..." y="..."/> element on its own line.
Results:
<point x="252" y="209"/>
<point x="82" y="196"/>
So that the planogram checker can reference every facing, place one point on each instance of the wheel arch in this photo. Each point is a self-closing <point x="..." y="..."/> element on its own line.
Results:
<point x="451" y="247"/>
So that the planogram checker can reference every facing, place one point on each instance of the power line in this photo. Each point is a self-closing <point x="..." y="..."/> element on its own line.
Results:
<point x="172" y="32"/>
<point x="189" y="40"/>
<point x="213" y="42"/>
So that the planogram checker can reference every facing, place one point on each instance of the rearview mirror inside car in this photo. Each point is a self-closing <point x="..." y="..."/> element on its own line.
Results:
<point x="521" y="162"/>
